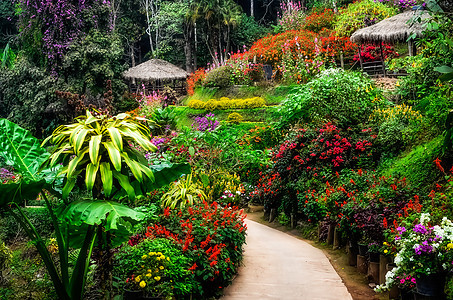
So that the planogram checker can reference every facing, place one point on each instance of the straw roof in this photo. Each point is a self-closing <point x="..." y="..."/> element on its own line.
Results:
<point x="393" y="29"/>
<point x="155" y="69"/>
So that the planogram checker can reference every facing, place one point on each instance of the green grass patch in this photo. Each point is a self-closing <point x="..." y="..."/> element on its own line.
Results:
<point x="417" y="165"/>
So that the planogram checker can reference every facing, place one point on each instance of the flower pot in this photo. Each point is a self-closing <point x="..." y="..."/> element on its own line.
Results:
<point x="363" y="249"/>
<point x="362" y="265"/>
<point x="383" y="261"/>
<point x="374" y="256"/>
<point x="406" y="295"/>
<point x="132" y="295"/>
<point x="432" y="285"/>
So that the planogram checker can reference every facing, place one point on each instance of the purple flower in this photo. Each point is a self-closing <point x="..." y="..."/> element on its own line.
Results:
<point x="423" y="248"/>
<point x="206" y="123"/>
<point x="401" y="230"/>
<point x="419" y="228"/>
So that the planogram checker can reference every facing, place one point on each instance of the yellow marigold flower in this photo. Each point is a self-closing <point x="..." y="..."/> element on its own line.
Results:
<point x="145" y="256"/>
<point x="159" y="253"/>
<point x="142" y="284"/>
<point x="162" y="257"/>
<point x="137" y="279"/>
<point x="161" y="267"/>
<point x="148" y="275"/>
<point x="149" y="271"/>
<point x="168" y="258"/>
<point x="157" y="278"/>
<point x="386" y="251"/>
<point x="450" y="246"/>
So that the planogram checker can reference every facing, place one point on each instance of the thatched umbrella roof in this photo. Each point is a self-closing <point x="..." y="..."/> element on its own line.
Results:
<point x="155" y="69"/>
<point x="393" y="29"/>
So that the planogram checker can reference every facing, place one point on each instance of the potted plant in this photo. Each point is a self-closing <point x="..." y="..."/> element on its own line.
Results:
<point x="373" y="251"/>
<point x="425" y="252"/>
<point x="397" y="278"/>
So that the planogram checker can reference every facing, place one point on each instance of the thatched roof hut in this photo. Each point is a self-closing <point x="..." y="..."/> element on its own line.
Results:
<point x="155" y="69"/>
<point x="394" y="29"/>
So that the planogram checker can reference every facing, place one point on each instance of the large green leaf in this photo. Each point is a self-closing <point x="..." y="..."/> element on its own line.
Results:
<point x="26" y="189"/>
<point x="20" y="149"/>
<point x="166" y="173"/>
<point x="100" y="212"/>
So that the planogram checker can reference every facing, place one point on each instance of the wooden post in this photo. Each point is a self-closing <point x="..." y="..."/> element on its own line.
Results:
<point x="382" y="58"/>
<point x="330" y="234"/>
<point x="362" y="265"/>
<point x="336" y="239"/>
<point x="410" y="46"/>
<point x="341" y="60"/>
<point x="360" y="57"/>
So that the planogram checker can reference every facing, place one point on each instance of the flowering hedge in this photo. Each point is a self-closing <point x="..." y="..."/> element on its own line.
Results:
<point x="227" y="103"/>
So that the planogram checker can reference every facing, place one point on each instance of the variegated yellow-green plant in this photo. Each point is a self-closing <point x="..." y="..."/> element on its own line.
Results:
<point x="102" y="149"/>
<point x="183" y="192"/>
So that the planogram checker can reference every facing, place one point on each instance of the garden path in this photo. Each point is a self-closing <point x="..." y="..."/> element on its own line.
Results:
<point x="280" y="266"/>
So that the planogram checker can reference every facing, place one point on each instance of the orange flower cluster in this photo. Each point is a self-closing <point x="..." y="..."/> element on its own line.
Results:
<point x="317" y="21"/>
<point x="195" y="79"/>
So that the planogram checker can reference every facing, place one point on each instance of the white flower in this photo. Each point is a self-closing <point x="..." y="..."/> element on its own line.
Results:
<point x="424" y="218"/>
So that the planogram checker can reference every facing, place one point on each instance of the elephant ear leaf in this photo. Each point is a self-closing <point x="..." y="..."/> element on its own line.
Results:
<point x="25" y="189"/>
<point x="21" y="150"/>
<point x="100" y="212"/>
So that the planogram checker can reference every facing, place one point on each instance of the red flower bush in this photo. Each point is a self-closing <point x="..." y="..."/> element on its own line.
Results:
<point x="373" y="53"/>
<point x="211" y="235"/>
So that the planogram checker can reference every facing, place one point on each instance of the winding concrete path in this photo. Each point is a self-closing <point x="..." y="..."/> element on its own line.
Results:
<point x="280" y="266"/>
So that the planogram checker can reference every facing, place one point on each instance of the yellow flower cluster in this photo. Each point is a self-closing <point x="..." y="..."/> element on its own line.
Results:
<point x="235" y="118"/>
<point x="401" y="112"/>
<point x="227" y="103"/>
<point x="152" y="269"/>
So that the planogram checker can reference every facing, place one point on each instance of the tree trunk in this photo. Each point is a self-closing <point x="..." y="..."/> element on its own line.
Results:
<point x="188" y="46"/>
<point x="252" y="12"/>
<point x="195" y="64"/>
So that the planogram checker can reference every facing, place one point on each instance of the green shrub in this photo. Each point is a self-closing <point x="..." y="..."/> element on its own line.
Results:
<point x="235" y="118"/>
<point x="39" y="217"/>
<point x="397" y="126"/>
<point x="346" y="97"/>
<point x="361" y="14"/>
<point x="218" y="77"/>
<point x="417" y="166"/>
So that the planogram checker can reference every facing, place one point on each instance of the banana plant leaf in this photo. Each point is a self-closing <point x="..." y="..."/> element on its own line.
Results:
<point x="114" y="217"/>
<point x="99" y="212"/>
<point x="76" y="235"/>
